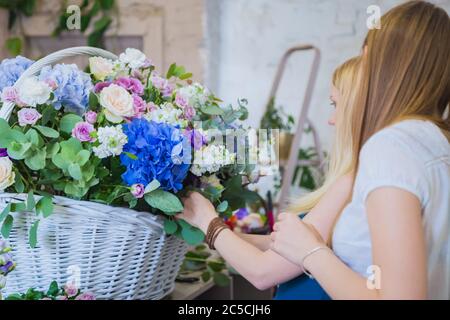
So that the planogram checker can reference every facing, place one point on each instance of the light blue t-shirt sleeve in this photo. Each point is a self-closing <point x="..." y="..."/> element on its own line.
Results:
<point x="388" y="160"/>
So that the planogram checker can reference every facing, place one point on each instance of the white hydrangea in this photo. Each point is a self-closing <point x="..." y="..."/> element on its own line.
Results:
<point x="33" y="92"/>
<point x="167" y="113"/>
<point x="195" y="94"/>
<point x="112" y="140"/>
<point x="210" y="159"/>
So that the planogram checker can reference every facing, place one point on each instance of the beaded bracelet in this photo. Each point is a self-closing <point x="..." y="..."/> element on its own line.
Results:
<point x="216" y="226"/>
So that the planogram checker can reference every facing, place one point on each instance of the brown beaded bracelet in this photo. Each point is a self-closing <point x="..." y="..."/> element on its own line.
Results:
<point x="216" y="226"/>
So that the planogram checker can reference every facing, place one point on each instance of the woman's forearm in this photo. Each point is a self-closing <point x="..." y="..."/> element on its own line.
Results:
<point x="262" y="242"/>
<point x="262" y="269"/>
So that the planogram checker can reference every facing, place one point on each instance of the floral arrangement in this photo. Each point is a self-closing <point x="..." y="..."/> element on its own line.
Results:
<point x="6" y="263"/>
<point x="54" y="292"/>
<point x="120" y="134"/>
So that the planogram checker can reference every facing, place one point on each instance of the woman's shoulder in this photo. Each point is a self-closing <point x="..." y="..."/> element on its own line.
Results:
<point x="420" y="140"/>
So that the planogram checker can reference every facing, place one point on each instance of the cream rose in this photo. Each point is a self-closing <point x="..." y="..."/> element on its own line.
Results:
<point x="7" y="174"/>
<point x="101" y="67"/>
<point x="118" y="103"/>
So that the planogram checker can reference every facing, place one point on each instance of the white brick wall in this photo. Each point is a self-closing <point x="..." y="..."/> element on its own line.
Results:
<point x="246" y="38"/>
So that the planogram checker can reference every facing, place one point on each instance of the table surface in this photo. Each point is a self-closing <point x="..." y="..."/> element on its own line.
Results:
<point x="190" y="291"/>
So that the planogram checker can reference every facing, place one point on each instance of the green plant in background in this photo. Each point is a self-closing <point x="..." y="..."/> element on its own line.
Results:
<point x="199" y="260"/>
<point x="276" y="118"/>
<point x="16" y="10"/>
<point x="94" y="13"/>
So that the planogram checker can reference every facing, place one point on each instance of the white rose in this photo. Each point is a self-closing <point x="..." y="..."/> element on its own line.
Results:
<point x="7" y="174"/>
<point x="118" y="103"/>
<point x="134" y="58"/>
<point x="33" y="92"/>
<point x="101" y="67"/>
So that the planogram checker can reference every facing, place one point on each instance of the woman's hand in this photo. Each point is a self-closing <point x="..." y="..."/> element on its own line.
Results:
<point x="198" y="211"/>
<point x="293" y="239"/>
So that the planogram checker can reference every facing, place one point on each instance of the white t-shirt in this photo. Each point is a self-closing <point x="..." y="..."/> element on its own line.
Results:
<point x="413" y="155"/>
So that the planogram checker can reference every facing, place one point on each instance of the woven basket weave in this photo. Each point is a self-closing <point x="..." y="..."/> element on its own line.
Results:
<point x="116" y="253"/>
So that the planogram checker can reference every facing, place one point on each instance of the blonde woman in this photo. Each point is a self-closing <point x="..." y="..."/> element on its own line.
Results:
<point x="250" y="255"/>
<point x="397" y="226"/>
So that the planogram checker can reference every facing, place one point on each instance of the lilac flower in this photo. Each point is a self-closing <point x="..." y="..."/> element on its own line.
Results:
<point x="28" y="116"/>
<point x="139" y="105"/>
<point x="181" y="101"/>
<point x="189" y="112"/>
<point x="90" y="117"/>
<point x="198" y="140"/>
<point x="101" y="85"/>
<point x="70" y="290"/>
<point x="131" y="84"/>
<point x="163" y="85"/>
<point x="73" y="87"/>
<point x="82" y="131"/>
<point x="12" y="69"/>
<point x="137" y="190"/>
<point x="10" y="94"/>
<point x="86" y="296"/>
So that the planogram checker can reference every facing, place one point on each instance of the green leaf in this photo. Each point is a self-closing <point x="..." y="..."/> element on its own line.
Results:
<point x="75" y="171"/>
<point x="130" y="155"/>
<point x="221" y="279"/>
<point x="170" y="226"/>
<point x="192" y="236"/>
<point x="5" y="212"/>
<point x="37" y="161"/>
<point x="48" y="132"/>
<point x="93" y="99"/>
<point x="152" y="186"/>
<point x="206" y="276"/>
<point x="107" y="4"/>
<point x="222" y="206"/>
<point x="45" y="206"/>
<point x="7" y="225"/>
<point x="31" y="203"/>
<point x="171" y="70"/>
<point x="185" y="76"/>
<point x="53" y="290"/>
<point x="48" y="114"/>
<point x="211" y="109"/>
<point x="83" y="157"/>
<point x="18" y="207"/>
<point x="68" y="122"/>
<point x="14" y="45"/>
<point x="216" y="266"/>
<point x="32" y="237"/>
<point x="18" y="184"/>
<point x="164" y="201"/>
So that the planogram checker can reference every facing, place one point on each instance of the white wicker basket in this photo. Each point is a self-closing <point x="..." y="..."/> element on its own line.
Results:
<point x="118" y="253"/>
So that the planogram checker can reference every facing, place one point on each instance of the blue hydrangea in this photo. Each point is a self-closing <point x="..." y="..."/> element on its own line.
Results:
<point x="72" y="87"/>
<point x="12" y="69"/>
<point x="162" y="151"/>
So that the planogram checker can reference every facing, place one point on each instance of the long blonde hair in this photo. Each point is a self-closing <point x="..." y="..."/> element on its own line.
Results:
<point x="405" y="71"/>
<point x="345" y="79"/>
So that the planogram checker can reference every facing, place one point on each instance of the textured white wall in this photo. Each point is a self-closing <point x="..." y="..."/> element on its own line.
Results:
<point x="246" y="39"/>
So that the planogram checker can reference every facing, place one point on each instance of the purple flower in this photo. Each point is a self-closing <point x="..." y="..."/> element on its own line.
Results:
<point x="3" y="152"/>
<point x="163" y="85"/>
<point x="90" y="117"/>
<point x="28" y="116"/>
<point x="181" y="101"/>
<point x="101" y="85"/>
<point x="241" y="213"/>
<point x="137" y="190"/>
<point x="71" y="290"/>
<point x="139" y="105"/>
<point x="198" y="140"/>
<point x="10" y="94"/>
<point x="86" y="296"/>
<point x="131" y="84"/>
<point x="82" y="131"/>
<point x="189" y="112"/>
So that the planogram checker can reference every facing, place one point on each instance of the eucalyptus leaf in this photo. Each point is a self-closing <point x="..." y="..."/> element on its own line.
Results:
<point x="68" y="122"/>
<point x="7" y="226"/>
<point x="32" y="237"/>
<point x="170" y="226"/>
<point x="164" y="201"/>
<point x="48" y="132"/>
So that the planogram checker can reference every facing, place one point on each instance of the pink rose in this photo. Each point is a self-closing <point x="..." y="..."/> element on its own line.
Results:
<point x="10" y="94"/>
<point x="131" y="84"/>
<point x="71" y="290"/>
<point x="151" y="107"/>
<point x="137" y="190"/>
<point x="189" y="112"/>
<point x="90" y="117"/>
<point x="139" y="105"/>
<point x="181" y="101"/>
<point x="86" y="296"/>
<point x="82" y="131"/>
<point x="101" y="85"/>
<point x="28" y="116"/>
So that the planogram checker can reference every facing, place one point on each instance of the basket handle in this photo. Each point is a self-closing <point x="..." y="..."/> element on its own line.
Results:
<point x="36" y="67"/>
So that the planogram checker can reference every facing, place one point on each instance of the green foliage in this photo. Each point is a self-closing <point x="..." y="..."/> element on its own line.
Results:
<point x="275" y="118"/>
<point x="199" y="259"/>
<point x="164" y="201"/>
<point x="54" y="292"/>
